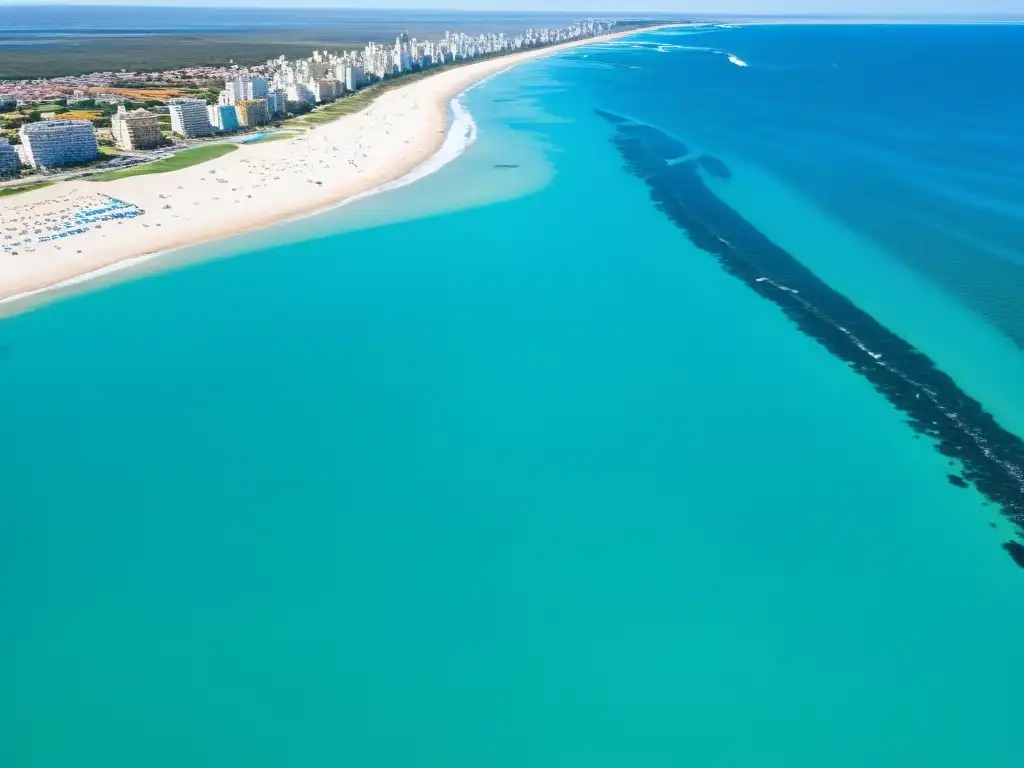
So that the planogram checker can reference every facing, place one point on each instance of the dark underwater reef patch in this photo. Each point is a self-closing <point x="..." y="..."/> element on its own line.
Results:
<point x="1016" y="551"/>
<point x="505" y="165"/>
<point x="612" y="118"/>
<point x="714" y="166"/>
<point x="992" y="458"/>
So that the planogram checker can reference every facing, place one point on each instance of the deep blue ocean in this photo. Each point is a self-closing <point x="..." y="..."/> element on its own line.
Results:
<point x="634" y="435"/>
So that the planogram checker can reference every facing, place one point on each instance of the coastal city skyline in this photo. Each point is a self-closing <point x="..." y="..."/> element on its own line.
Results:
<point x="250" y="97"/>
<point x="753" y="7"/>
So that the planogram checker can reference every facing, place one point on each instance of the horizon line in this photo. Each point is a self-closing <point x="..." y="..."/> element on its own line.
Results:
<point x="706" y="15"/>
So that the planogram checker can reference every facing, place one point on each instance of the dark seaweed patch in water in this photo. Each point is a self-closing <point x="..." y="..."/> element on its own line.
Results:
<point x="961" y="428"/>
<point x="505" y="165"/>
<point x="612" y="117"/>
<point x="656" y="141"/>
<point x="1016" y="551"/>
<point x="956" y="480"/>
<point x="715" y="167"/>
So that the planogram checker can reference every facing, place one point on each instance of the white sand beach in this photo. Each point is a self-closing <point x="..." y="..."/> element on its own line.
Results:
<point x="102" y="224"/>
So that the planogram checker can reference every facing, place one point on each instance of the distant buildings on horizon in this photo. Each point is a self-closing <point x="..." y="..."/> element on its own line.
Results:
<point x="249" y="99"/>
<point x="325" y="76"/>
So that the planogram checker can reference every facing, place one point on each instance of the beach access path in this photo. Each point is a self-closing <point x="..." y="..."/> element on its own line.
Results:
<point x="260" y="184"/>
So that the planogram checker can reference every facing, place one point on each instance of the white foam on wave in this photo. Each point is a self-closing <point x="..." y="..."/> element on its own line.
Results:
<point x="461" y="134"/>
<point x="643" y="45"/>
<point x="684" y="30"/>
<point x="733" y="58"/>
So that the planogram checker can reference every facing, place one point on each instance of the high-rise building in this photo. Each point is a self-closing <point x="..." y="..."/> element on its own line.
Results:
<point x="277" y="102"/>
<point x="138" y="129"/>
<point x="190" y="118"/>
<point x="9" y="160"/>
<point x="252" y="112"/>
<point x="223" y="117"/>
<point x="299" y="92"/>
<point x="244" y="88"/>
<point x="353" y="77"/>
<point x="54" y="143"/>
<point x="324" y="90"/>
<point x="7" y="103"/>
<point x="256" y="88"/>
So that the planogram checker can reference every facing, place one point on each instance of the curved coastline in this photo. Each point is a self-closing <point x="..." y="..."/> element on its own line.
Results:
<point x="403" y="136"/>
<point x="461" y="133"/>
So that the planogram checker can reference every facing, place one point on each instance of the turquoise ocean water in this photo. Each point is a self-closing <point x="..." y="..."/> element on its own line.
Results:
<point x="501" y="468"/>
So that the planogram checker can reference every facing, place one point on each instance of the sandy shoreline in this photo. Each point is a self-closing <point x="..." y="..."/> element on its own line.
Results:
<point x="256" y="186"/>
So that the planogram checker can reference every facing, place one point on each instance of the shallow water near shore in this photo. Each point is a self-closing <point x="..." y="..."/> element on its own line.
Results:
<point x="535" y="481"/>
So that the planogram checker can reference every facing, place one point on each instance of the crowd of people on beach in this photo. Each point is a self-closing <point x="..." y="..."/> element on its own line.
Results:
<point x="27" y="225"/>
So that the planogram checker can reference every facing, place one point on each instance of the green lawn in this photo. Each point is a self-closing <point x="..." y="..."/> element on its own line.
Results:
<point x="7" y="192"/>
<point x="346" y="105"/>
<point x="182" y="159"/>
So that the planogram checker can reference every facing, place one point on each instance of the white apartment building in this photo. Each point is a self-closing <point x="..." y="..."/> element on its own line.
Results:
<point x="353" y="77"/>
<point x="54" y="143"/>
<point x="324" y="90"/>
<point x="9" y="160"/>
<point x="138" y="129"/>
<point x="299" y="92"/>
<point x="244" y="88"/>
<point x="190" y="118"/>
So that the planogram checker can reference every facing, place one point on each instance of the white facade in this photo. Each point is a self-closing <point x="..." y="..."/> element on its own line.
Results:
<point x="190" y="118"/>
<point x="353" y="77"/>
<point x="299" y="92"/>
<point x="54" y="143"/>
<point x="324" y="90"/>
<point x="244" y="88"/>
